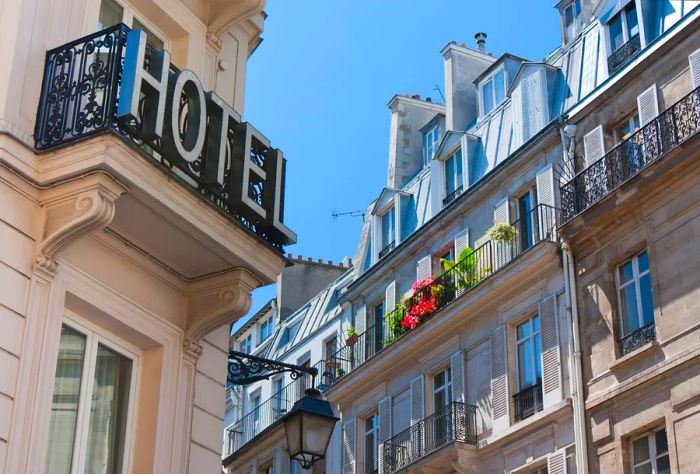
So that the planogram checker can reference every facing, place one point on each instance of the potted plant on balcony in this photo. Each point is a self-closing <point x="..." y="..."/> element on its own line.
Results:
<point x="423" y="302"/>
<point x="502" y="233"/>
<point x="351" y="340"/>
<point x="466" y="271"/>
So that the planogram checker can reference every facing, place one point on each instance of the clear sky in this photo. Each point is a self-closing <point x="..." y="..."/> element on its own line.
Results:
<point x="319" y="84"/>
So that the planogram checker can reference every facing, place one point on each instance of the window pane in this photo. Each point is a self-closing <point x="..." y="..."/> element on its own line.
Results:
<point x="64" y="408"/>
<point x="526" y="376"/>
<point x="640" y="449"/>
<point x="645" y="469"/>
<point x="458" y="168"/>
<point x="632" y="25"/>
<point x="523" y="330"/>
<point x="538" y="354"/>
<point x="661" y="442"/>
<point x="536" y="323"/>
<point x="626" y="272"/>
<point x="500" y="86"/>
<point x="388" y="228"/>
<point x="628" y="306"/>
<point x="108" y="412"/>
<point x="151" y="39"/>
<point x="643" y="260"/>
<point x="615" y="28"/>
<point x="647" y="302"/>
<point x="663" y="465"/>
<point x="111" y="13"/>
<point x="487" y="92"/>
<point x="450" y="175"/>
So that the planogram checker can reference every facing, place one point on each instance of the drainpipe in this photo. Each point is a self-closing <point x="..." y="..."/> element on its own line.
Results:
<point x="576" y="381"/>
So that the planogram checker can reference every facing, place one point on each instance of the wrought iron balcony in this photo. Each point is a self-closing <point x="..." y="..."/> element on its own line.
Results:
<point x="527" y="402"/>
<point x="389" y="247"/>
<point x="665" y="133"/>
<point x="623" y="54"/>
<point x="451" y="197"/>
<point x="264" y="415"/>
<point x="536" y="226"/>
<point x="636" y="339"/>
<point x="79" y="99"/>
<point x="454" y="423"/>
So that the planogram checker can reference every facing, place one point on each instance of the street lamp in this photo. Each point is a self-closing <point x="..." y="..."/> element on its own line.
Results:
<point x="309" y="426"/>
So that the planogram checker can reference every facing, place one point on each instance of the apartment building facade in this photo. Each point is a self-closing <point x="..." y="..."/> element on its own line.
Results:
<point x="562" y="342"/>
<point x="131" y="238"/>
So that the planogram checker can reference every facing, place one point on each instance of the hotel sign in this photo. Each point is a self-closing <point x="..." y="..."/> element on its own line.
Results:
<point x="200" y="133"/>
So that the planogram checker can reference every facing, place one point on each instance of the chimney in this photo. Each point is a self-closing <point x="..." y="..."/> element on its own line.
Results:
<point x="481" y="42"/>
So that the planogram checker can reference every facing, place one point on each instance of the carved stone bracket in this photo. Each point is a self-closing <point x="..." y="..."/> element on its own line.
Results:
<point x="192" y="348"/>
<point x="73" y="210"/>
<point x="217" y="301"/>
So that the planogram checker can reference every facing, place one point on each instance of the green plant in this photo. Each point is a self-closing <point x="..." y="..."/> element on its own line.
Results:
<point x="352" y="332"/>
<point x="393" y="324"/>
<point x="466" y="270"/>
<point x="502" y="233"/>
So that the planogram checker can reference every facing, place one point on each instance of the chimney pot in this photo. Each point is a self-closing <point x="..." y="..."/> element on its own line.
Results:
<point x="310" y="260"/>
<point x="480" y="42"/>
<point x="341" y="265"/>
<point x="320" y="260"/>
<point x="290" y="256"/>
<point x="415" y="96"/>
<point x="330" y="262"/>
<point x="299" y="257"/>
<point x="428" y="99"/>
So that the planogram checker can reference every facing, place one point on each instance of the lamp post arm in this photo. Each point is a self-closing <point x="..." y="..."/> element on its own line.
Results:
<point x="244" y="369"/>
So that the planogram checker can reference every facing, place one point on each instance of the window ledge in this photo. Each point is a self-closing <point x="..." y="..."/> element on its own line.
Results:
<point x="640" y="353"/>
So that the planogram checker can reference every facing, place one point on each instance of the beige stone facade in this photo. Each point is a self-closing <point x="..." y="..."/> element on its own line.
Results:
<point x="107" y="257"/>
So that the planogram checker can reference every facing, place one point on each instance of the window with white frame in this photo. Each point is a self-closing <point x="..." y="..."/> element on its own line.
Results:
<point x="113" y="12"/>
<point x="388" y="228"/>
<point x="255" y="401"/>
<point x="528" y="349"/>
<point x="634" y="291"/>
<point x="442" y="389"/>
<point x="92" y="406"/>
<point x="453" y="175"/>
<point x="627" y="127"/>
<point x="431" y="140"/>
<point x="279" y="405"/>
<point x="623" y="27"/>
<point x="493" y="91"/>
<point x="650" y="453"/>
<point x="571" y="14"/>
<point x="246" y="345"/>
<point x="265" y="329"/>
<point x="371" y="445"/>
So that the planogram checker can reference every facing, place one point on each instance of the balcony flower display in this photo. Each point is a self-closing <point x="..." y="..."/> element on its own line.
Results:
<point x="423" y="302"/>
<point x="502" y="233"/>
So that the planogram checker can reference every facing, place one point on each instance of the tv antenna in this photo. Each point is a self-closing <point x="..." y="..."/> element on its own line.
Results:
<point x="437" y="88"/>
<point x="349" y="214"/>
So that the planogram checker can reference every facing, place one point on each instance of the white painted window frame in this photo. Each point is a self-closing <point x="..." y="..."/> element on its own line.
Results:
<point x="267" y="323"/>
<point x="531" y="338"/>
<point x="625" y="29"/>
<point x="636" y="281"/>
<point x="447" y="387"/>
<point x="430" y="138"/>
<point x="485" y="81"/>
<point x="95" y="335"/>
<point x="629" y="121"/>
<point x="456" y="155"/>
<point x="374" y="431"/>
<point x="653" y="454"/>
<point x="576" y="20"/>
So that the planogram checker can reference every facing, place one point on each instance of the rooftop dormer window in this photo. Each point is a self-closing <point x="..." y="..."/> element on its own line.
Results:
<point x="493" y="91"/>
<point x="388" y="230"/>
<point x="453" y="176"/>
<point x="623" y="27"/>
<point x="571" y="15"/>
<point x="112" y="13"/>
<point x="431" y="140"/>
<point x="265" y="330"/>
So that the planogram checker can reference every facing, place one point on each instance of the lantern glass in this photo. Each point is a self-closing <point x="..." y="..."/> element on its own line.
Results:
<point x="308" y="428"/>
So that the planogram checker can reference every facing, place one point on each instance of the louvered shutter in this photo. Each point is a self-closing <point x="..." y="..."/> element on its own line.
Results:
<point x="648" y="105"/>
<point x="424" y="268"/>
<point x="556" y="462"/>
<point x="358" y="350"/>
<point x="384" y="428"/>
<point x="461" y="242"/>
<point x="501" y="214"/>
<point x="417" y="414"/>
<point x="545" y="195"/>
<point x="694" y="60"/>
<point x="390" y="298"/>
<point x="594" y="145"/>
<point x="551" y="365"/>
<point x="349" y="447"/>
<point x="500" y="394"/>
<point x="457" y="369"/>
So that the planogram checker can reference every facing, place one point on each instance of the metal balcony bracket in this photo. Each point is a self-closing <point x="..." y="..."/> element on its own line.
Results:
<point x="245" y="369"/>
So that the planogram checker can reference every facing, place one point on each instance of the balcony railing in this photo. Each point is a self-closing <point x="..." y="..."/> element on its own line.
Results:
<point x="389" y="247"/>
<point x="451" y="196"/>
<point x="527" y="402"/>
<point x="264" y="415"/>
<point x="665" y="133"/>
<point x="79" y="95"/>
<point x="454" y="422"/>
<point x="536" y="226"/>
<point x="636" y="339"/>
<point x="623" y="54"/>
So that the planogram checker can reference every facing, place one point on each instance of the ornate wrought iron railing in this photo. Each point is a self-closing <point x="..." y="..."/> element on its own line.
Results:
<point x="430" y="298"/>
<point x="665" y="133"/>
<point x="623" y="54"/>
<point x="454" y="422"/>
<point x="389" y="247"/>
<point x="452" y="196"/>
<point x="527" y="402"/>
<point x="262" y="416"/>
<point x="636" y="339"/>
<point x="79" y="96"/>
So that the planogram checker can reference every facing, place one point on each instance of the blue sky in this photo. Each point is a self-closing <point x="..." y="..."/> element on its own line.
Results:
<point x="319" y="83"/>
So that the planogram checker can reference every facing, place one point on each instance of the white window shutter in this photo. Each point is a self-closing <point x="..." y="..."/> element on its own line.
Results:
<point x="361" y="319"/>
<point x="648" y="105"/>
<point x="384" y="428"/>
<point x="594" y="145"/>
<point x="424" y="268"/>
<point x="358" y="351"/>
<point x="551" y="364"/>
<point x="417" y="399"/>
<point x="694" y="60"/>
<point x="501" y="215"/>
<point x="556" y="462"/>
<point x="461" y="242"/>
<point x="349" y="439"/>
<point x="545" y="195"/>
<point x="500" y="393"/>
<point x="457" y="369"/>
<point x="390" y="298"/>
